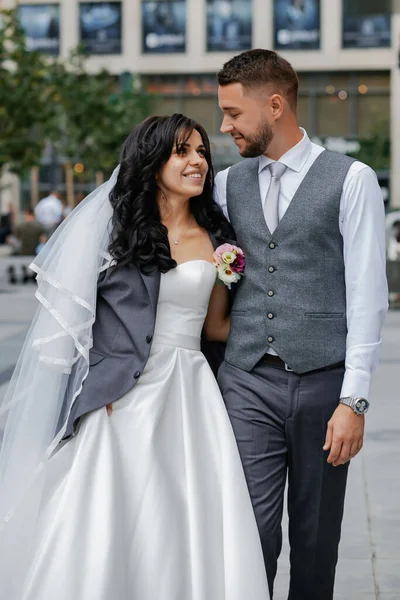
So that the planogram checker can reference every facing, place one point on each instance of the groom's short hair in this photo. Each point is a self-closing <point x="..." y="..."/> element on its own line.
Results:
<point x="256" y="68"/>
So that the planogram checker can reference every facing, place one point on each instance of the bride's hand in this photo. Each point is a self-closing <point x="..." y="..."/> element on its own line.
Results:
<point x="109" y="409"/>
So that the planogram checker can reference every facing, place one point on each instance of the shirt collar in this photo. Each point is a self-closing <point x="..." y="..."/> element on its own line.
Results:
<point x="294" y="158"/>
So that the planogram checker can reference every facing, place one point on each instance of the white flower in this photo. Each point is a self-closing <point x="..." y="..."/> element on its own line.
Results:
<point x="228" y="257"/>
<point x="226" y="275"/>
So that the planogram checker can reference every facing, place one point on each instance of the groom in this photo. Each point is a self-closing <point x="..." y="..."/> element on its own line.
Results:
<point x="307" y="317"/>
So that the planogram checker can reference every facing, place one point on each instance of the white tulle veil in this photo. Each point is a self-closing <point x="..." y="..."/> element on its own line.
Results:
<point x="61" y="332"/>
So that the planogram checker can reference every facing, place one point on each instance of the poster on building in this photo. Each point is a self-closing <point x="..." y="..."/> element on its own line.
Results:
<point x="365" y="30"/>
<point x="164" y="26"/>
<point x="41" y="24"/>
<point x="229" y="25"/>
<point x="100" y="27"/>
<point x="297" y="24"/>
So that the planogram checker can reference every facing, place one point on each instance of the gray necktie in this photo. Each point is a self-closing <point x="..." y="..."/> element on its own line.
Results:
<point x="271" y="205"/>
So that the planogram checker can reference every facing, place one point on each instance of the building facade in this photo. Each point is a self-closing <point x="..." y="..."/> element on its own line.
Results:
<point x="345" y="51"/>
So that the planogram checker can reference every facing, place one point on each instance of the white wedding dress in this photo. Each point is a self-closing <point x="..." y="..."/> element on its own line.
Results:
<point x="151" y="502"/>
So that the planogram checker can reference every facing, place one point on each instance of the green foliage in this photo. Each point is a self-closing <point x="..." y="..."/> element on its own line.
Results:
<point x="85" y="116"/>
<point x="94" y="114"/>
<point x="375" y="149"/>
<point x="26" y="98"/>
<point x="375" y="152"/>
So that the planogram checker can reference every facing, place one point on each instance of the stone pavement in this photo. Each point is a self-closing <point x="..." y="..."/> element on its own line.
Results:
<point x="369" y="564"/>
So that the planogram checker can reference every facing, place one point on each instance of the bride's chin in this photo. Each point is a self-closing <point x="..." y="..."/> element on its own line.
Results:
<point x="195" y="191"/>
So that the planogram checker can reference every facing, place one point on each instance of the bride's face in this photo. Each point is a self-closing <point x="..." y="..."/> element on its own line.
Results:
<point x="185" y="171"/>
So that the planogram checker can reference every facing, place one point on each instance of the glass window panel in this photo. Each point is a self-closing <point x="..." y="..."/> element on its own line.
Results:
<point x="333" y="116"/>
<point x="178" y="84"/>
<point x="377" y="80"/>
<point x="164" y="106"/>
<point x="356" y="8"/>
<point x="163" y="26"/>
<point x="373" y="115"/>
<point x="340" y="81"/>
<point x="306" y="81"/>
<point x="366" y="23"/>
<point x="202" y="110"/>
<point x="303" y="112"/>
<point x="229" y="25"/>
<point x="163" y="85"/>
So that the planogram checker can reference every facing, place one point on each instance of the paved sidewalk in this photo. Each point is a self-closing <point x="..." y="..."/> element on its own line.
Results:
<point x="369" y="566"/>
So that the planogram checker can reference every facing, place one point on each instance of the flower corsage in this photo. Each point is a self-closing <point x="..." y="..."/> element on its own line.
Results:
<point x="230" y="263"/>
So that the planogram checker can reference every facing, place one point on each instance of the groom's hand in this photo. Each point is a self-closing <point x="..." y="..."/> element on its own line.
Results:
<point x="344" y="436"/>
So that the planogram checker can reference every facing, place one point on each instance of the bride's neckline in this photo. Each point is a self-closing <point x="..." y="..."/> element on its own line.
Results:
<point x="187" y="262"/>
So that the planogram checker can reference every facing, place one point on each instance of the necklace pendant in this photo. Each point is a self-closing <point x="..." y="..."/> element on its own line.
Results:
<point x="176" y="242"/>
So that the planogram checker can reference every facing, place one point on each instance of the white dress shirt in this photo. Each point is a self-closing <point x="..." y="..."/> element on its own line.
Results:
<point x="362" y="225"/>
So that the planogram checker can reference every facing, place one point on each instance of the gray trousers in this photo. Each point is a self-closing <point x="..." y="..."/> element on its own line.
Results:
<point x="280" y="419"/>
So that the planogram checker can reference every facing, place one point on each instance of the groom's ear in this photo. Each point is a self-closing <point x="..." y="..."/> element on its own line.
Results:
<point x="277" y="105"/>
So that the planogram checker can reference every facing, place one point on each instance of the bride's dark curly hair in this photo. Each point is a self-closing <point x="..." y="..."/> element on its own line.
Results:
<point x="138" y="236"/>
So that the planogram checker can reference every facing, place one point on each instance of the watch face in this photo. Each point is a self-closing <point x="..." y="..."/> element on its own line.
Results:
<point x="361" y="406"/>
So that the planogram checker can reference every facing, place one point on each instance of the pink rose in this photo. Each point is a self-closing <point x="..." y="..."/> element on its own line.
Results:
<point x="220" y="251"/>
<point x="238" y="265"/>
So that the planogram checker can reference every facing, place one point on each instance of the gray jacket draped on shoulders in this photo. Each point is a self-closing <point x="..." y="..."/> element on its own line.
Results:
<point x="122" y="337"/>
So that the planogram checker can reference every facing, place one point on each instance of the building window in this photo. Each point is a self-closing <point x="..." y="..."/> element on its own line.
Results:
<point x="192" y="95"/>
<point x="366" y="24"/>
<point x="162" y="105"/>
<point x="163" y="26"/>
<point x="373" y="113"/>
<point x="100" y="26"/>
<point x="297" y="24"/>
<point x="333" y="115"/>
<point x="202" y="110"/>
<point x="229" y="25"/>
<point x="304" y="112"/>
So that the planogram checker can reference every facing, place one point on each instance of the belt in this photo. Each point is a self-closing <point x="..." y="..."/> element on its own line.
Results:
<point x="275" y="361"/>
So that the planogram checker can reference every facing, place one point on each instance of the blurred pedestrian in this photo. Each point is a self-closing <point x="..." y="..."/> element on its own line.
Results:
<point x="28" y="233"/>
<point x="393" y="250"/>
<point x="49" y="212"/>
<point x="393" y="255"/>
<point x="7" y="221"/>
<point x="42" y="241"/>
<point x="24" y="241"/>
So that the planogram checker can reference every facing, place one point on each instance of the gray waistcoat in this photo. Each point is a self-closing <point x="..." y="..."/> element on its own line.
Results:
<point x="293" y="295"/>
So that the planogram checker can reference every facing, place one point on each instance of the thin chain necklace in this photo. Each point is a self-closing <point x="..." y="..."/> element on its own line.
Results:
<point x="176" y="242"/>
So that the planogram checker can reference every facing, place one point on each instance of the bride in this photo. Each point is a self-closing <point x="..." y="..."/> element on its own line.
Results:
<point x="119" y="473"/>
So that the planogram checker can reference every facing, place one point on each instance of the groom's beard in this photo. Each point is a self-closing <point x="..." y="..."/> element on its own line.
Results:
<point x="258" y="144"/>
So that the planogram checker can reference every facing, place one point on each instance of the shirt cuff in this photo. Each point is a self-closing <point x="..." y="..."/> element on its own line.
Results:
<point x="356" y="384"/>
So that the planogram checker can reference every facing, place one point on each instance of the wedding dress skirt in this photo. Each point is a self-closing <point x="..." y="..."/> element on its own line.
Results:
<point x="151" y="502"/>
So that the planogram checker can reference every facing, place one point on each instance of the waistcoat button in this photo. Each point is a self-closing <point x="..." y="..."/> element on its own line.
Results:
<point x="270" y="339"/>
<point x="137" y="375"/>
<point x="270" y="293"/>
<point x="272" y="245"/>
<point x="271" y="269"/>
<point x="270" y="316"/>
<point x="149" y="338"/>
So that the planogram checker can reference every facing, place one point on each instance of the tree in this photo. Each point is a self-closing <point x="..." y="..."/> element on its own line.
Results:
<point x="27" y="98"/>
<point x="95" y="114"/>
<point x="84" y="116"/>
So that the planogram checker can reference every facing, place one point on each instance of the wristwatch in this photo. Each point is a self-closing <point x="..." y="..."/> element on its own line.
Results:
<point x="359" y="405"/>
